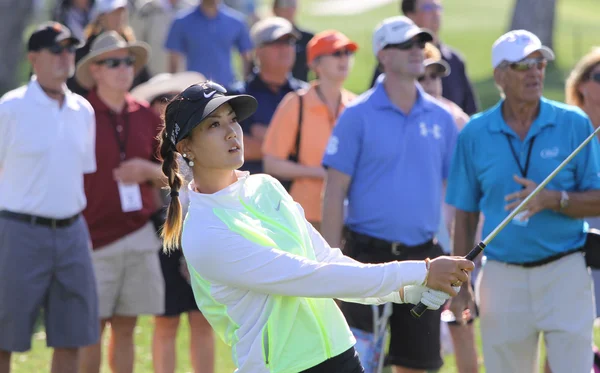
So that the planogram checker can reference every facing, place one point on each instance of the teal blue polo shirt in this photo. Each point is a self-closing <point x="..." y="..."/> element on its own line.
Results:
<point x="482" y="170"/>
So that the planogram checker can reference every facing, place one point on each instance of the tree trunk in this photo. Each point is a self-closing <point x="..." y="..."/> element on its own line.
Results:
<point x="14" y="15"/>
<point x="536" y="16"/>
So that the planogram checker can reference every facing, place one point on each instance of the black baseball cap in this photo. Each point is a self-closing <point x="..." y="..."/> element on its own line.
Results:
<point x="198" y="101"/>
<point x="48" y="34"/>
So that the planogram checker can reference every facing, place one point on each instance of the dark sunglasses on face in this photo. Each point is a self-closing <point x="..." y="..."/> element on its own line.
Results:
<point x="58" y="48"/>
<point x="528" y="63"/>
<point x="432" y="76"/>
<point x="341" y="53"/>
<point x="407" y="45"/>
<point x="282" y="42"/>
<point x="595" y="77"/>
<point x="113" y="63"/>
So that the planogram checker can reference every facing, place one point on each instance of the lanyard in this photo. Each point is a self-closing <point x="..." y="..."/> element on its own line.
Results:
<point x="322" y="97"/>
<point x="514" y="153"/>
<point x="121" y="142"/>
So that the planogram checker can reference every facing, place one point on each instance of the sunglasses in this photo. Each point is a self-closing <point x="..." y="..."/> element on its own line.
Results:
<point x="341" y="53"/>
<point x="58" y="48"/>
<point x="281" y="42"/>
<point x="113" y="63"/>
<point x="407" y="45"/>
<point x="595" y="77"/>
<point x="432" y="76"/>
<point x="195" y="93"/>
<point x="527" y="64"/>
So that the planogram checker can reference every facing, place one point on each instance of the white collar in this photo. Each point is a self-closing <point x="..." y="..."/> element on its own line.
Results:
<point x="228" y="197"/>
<point x="35" y="91"/>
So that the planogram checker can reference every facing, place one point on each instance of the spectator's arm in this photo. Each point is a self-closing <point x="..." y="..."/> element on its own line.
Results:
<point x="244" y="46"/>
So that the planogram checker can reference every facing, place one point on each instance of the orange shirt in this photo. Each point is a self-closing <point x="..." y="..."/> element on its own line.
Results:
<point x="317" y="125"/>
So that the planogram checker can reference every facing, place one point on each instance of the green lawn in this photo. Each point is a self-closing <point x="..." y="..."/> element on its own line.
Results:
<point x="38" y="359"/>
<point x="471" y="26"/>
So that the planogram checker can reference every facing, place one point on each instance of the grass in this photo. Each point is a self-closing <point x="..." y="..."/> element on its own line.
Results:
<point x="471" y="26"/>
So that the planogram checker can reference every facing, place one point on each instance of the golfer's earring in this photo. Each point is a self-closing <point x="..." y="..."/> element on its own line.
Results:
<point x="191" y="163"/>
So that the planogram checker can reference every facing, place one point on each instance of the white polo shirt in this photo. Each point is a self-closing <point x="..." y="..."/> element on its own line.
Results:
<point x="45" y="150"/>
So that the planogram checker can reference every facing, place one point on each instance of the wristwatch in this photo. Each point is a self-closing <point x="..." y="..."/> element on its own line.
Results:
<point x="564" y="200"/>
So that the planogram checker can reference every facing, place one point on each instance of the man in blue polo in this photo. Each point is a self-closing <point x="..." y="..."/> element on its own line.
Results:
<point x="389" y="154"/>
<point x="534" y="279"/>
<point x="204" y="37"/>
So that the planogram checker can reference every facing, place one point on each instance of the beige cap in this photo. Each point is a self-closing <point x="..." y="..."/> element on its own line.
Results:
<point x="271" y="29"/>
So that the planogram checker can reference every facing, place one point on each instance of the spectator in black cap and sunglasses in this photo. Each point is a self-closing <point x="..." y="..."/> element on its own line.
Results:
<point x="46" y="146"/>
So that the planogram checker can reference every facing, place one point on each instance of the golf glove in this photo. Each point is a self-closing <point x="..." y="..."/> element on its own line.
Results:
<point x="433" y="299"/>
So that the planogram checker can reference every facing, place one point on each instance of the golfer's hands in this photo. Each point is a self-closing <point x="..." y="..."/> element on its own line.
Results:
<point x="463" y="305"/>
<point x="448" y="271"/>
<point x="544" y="199"/>
<point x="433" y="299"/>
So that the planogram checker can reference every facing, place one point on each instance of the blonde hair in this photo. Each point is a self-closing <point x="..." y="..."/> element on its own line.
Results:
<point x="579" y="74"/>
<point x="432" y="52"/>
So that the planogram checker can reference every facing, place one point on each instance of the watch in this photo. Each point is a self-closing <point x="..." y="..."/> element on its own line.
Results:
<point x="564" y="200"/>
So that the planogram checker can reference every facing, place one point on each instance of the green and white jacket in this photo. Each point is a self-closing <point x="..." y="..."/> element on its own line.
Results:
<point x="265" y="279"/>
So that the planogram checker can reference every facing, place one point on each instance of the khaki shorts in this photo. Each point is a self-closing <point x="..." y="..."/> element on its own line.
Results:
<point x="516" y="304"/>
<point x="128" y="275"/>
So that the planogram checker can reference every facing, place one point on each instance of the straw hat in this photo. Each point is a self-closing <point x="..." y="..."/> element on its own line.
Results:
<point x="107" y="42"/>
<point x="166" y="83"/>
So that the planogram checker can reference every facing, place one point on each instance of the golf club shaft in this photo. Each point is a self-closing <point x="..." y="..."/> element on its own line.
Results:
<point x="420" y="308"/>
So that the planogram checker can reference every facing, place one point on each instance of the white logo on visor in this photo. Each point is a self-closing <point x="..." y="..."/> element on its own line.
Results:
<point x="210" y="94"/>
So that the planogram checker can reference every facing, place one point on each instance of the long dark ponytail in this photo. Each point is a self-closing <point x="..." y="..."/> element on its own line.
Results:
<point x="171" y="232"/>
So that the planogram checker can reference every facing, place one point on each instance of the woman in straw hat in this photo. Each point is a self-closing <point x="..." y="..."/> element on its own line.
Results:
<point x="179" y="298"/>
<point x="106" y="15"/>
<point x="262" y="275"/>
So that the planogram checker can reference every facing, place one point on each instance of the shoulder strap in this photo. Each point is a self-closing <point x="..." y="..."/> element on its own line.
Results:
<point x="296" y="154"/>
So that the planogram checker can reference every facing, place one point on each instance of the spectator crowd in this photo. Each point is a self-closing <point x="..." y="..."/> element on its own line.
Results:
<point x="408" y="170"/>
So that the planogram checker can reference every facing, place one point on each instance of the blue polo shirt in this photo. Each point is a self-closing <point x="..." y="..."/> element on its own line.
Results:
<point x="268" y="100"/>
<point x="482" y="175"/>
<point x="397" y="163"/>
<point x="207" y="42"/>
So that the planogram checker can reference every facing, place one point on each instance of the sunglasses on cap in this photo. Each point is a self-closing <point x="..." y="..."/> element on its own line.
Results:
<point x="196" y="93"/>
<point x="432" y="76"/>
<point x="113" y="63"/>
<point x="59" y="48"/>
<point x="527" y="64"/>
<point x="407" y="45"/>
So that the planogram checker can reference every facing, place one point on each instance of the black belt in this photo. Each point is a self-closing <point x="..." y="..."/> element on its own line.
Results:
<point x="547" y="260"/>
<point x="38" y="220"/>
<point x="396" y="248"/>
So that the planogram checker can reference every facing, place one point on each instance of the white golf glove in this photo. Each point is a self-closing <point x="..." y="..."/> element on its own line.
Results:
<point x="433" y="299"/>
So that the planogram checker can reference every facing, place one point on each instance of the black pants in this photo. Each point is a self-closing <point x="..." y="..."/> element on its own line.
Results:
<point x="414" y="343"/>
<point x="346" y="362"/>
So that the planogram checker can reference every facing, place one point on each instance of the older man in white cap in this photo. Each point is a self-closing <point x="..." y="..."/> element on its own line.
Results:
<point x="121" y="197"/>
<point x="534" y="278"/>
<point x="389" y="154"/>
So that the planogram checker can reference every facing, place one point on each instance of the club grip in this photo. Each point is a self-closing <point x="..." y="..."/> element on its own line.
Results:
<point x="418" y="310"/>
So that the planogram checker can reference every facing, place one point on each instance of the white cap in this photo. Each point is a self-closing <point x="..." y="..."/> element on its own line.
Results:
<point x="516" y="45"/>
<point x="106" y="6"/>
<point x="396" y="30"/>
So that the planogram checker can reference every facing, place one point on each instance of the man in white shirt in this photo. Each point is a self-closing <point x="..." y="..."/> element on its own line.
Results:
<point x="47" y="145"/>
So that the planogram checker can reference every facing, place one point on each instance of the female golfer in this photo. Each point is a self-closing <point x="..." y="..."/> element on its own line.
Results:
<point x="262" y="275"/>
